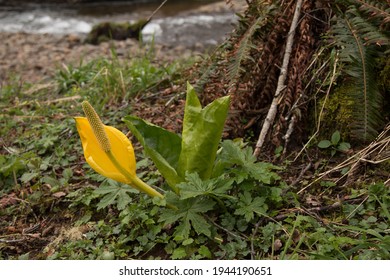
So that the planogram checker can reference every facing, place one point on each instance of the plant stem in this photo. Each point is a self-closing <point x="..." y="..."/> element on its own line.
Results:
<point x="136" y="182"/>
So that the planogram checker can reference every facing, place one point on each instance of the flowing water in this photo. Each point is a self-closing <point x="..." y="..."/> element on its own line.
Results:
<point x="177" y="22"/>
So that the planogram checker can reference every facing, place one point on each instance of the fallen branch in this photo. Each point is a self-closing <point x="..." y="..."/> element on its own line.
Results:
<point x="298" y="179"/>
<point x="156" y="10"/>
<point x="269" y="120"/>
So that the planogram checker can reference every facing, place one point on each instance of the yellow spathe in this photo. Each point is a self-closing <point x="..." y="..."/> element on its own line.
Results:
<point x="121" y="149"/>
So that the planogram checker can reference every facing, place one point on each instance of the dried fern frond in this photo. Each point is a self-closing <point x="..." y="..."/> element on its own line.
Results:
<point x="244" y="46"/>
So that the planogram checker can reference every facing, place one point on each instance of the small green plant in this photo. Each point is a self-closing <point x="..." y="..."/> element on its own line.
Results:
<point x="335" y="144"/>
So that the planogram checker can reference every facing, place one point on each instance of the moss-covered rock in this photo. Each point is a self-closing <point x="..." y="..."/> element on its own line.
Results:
<point x="337" y="113"/>
<point x="106" y="31"/>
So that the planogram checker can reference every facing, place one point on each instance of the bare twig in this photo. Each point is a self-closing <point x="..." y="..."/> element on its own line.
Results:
<point x="156" y="10"/>
<point x="269" y="120"/>
<point x="12" y="240"/>
<point x="332" y="79"/>
<point x="226" y="230"/>
<point x="307" y="167"/>
<point x="361" y="203"/>
<point x="290" y="130"/>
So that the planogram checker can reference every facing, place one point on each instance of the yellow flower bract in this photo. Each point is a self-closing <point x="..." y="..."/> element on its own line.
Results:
<point x="97" y="158"/>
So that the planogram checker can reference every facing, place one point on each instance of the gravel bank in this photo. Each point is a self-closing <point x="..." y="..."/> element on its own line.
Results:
<point x="35" y="57"/>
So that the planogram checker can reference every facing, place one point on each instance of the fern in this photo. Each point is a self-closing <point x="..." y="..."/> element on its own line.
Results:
<point x="233" y="53"/>
<point x="242" y="53"/>
<point x="359" y="41"/>
<point x="245" y="44"/>
<point x="376" y="9"/>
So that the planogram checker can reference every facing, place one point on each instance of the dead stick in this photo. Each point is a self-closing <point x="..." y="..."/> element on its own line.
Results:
<point x="156" y="10"/>
<point x="282" y="78"/>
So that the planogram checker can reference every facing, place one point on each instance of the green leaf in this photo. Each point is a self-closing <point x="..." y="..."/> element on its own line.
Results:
<point x="189" y="216"/>
<point x="123" y="200"/>
<point x="335" y="138"/>
<point x="356" y="36"/>
<point x="112" y="192"/>
<point x="324" y="144"/>
<point x="67" y="173"/>
<point x="182" y="231"/>
<point x="179" y="253"/>
<point x="106" y="200"/>
<point x="188" y="241"/>
<point x="204" y="252"/>
<point x="233" y="154"/>
<point x="344" y="146"/>
<point x="261" y="171"/>
<point x="195" y="186"/>
<point x="242" y="163"/>
<point x="27" y="177"/>
<point x="199" y="224"/>
<point x="248" y="206"/>
<point x="53" y="182"/>
<point x="13" y="164"/>
<point x="202" y="131"/>
<point x="161" y="145"/>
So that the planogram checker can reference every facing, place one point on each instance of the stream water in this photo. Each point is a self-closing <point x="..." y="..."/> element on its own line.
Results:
<point x="177" y="22"/>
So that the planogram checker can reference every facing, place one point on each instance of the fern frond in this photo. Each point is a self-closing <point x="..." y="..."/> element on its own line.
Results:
<point x="368" y="31"/>
<point x="245" y="45"/>
<point x="358" y="42"/>
<point x="378" y="9"/>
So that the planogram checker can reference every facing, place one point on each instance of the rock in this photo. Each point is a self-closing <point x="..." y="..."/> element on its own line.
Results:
<point x="106" y="31"/>
<point x="150" y="31"/>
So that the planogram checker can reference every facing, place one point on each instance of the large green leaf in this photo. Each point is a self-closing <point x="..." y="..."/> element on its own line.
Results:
<point x="189" y="214"/>
<point x="214" y="188"/>
<point x="161" y="145"/>
<point x="202" y="131"/>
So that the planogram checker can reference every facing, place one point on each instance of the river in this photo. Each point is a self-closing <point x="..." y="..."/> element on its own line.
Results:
<point x="178" y="22"/>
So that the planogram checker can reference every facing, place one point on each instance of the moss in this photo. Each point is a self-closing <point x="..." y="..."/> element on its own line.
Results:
<point x="337" y="114"/>
<point x="384" y="73"/>
<point x="106" y="31"/>
<point x="384" y="82"/>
